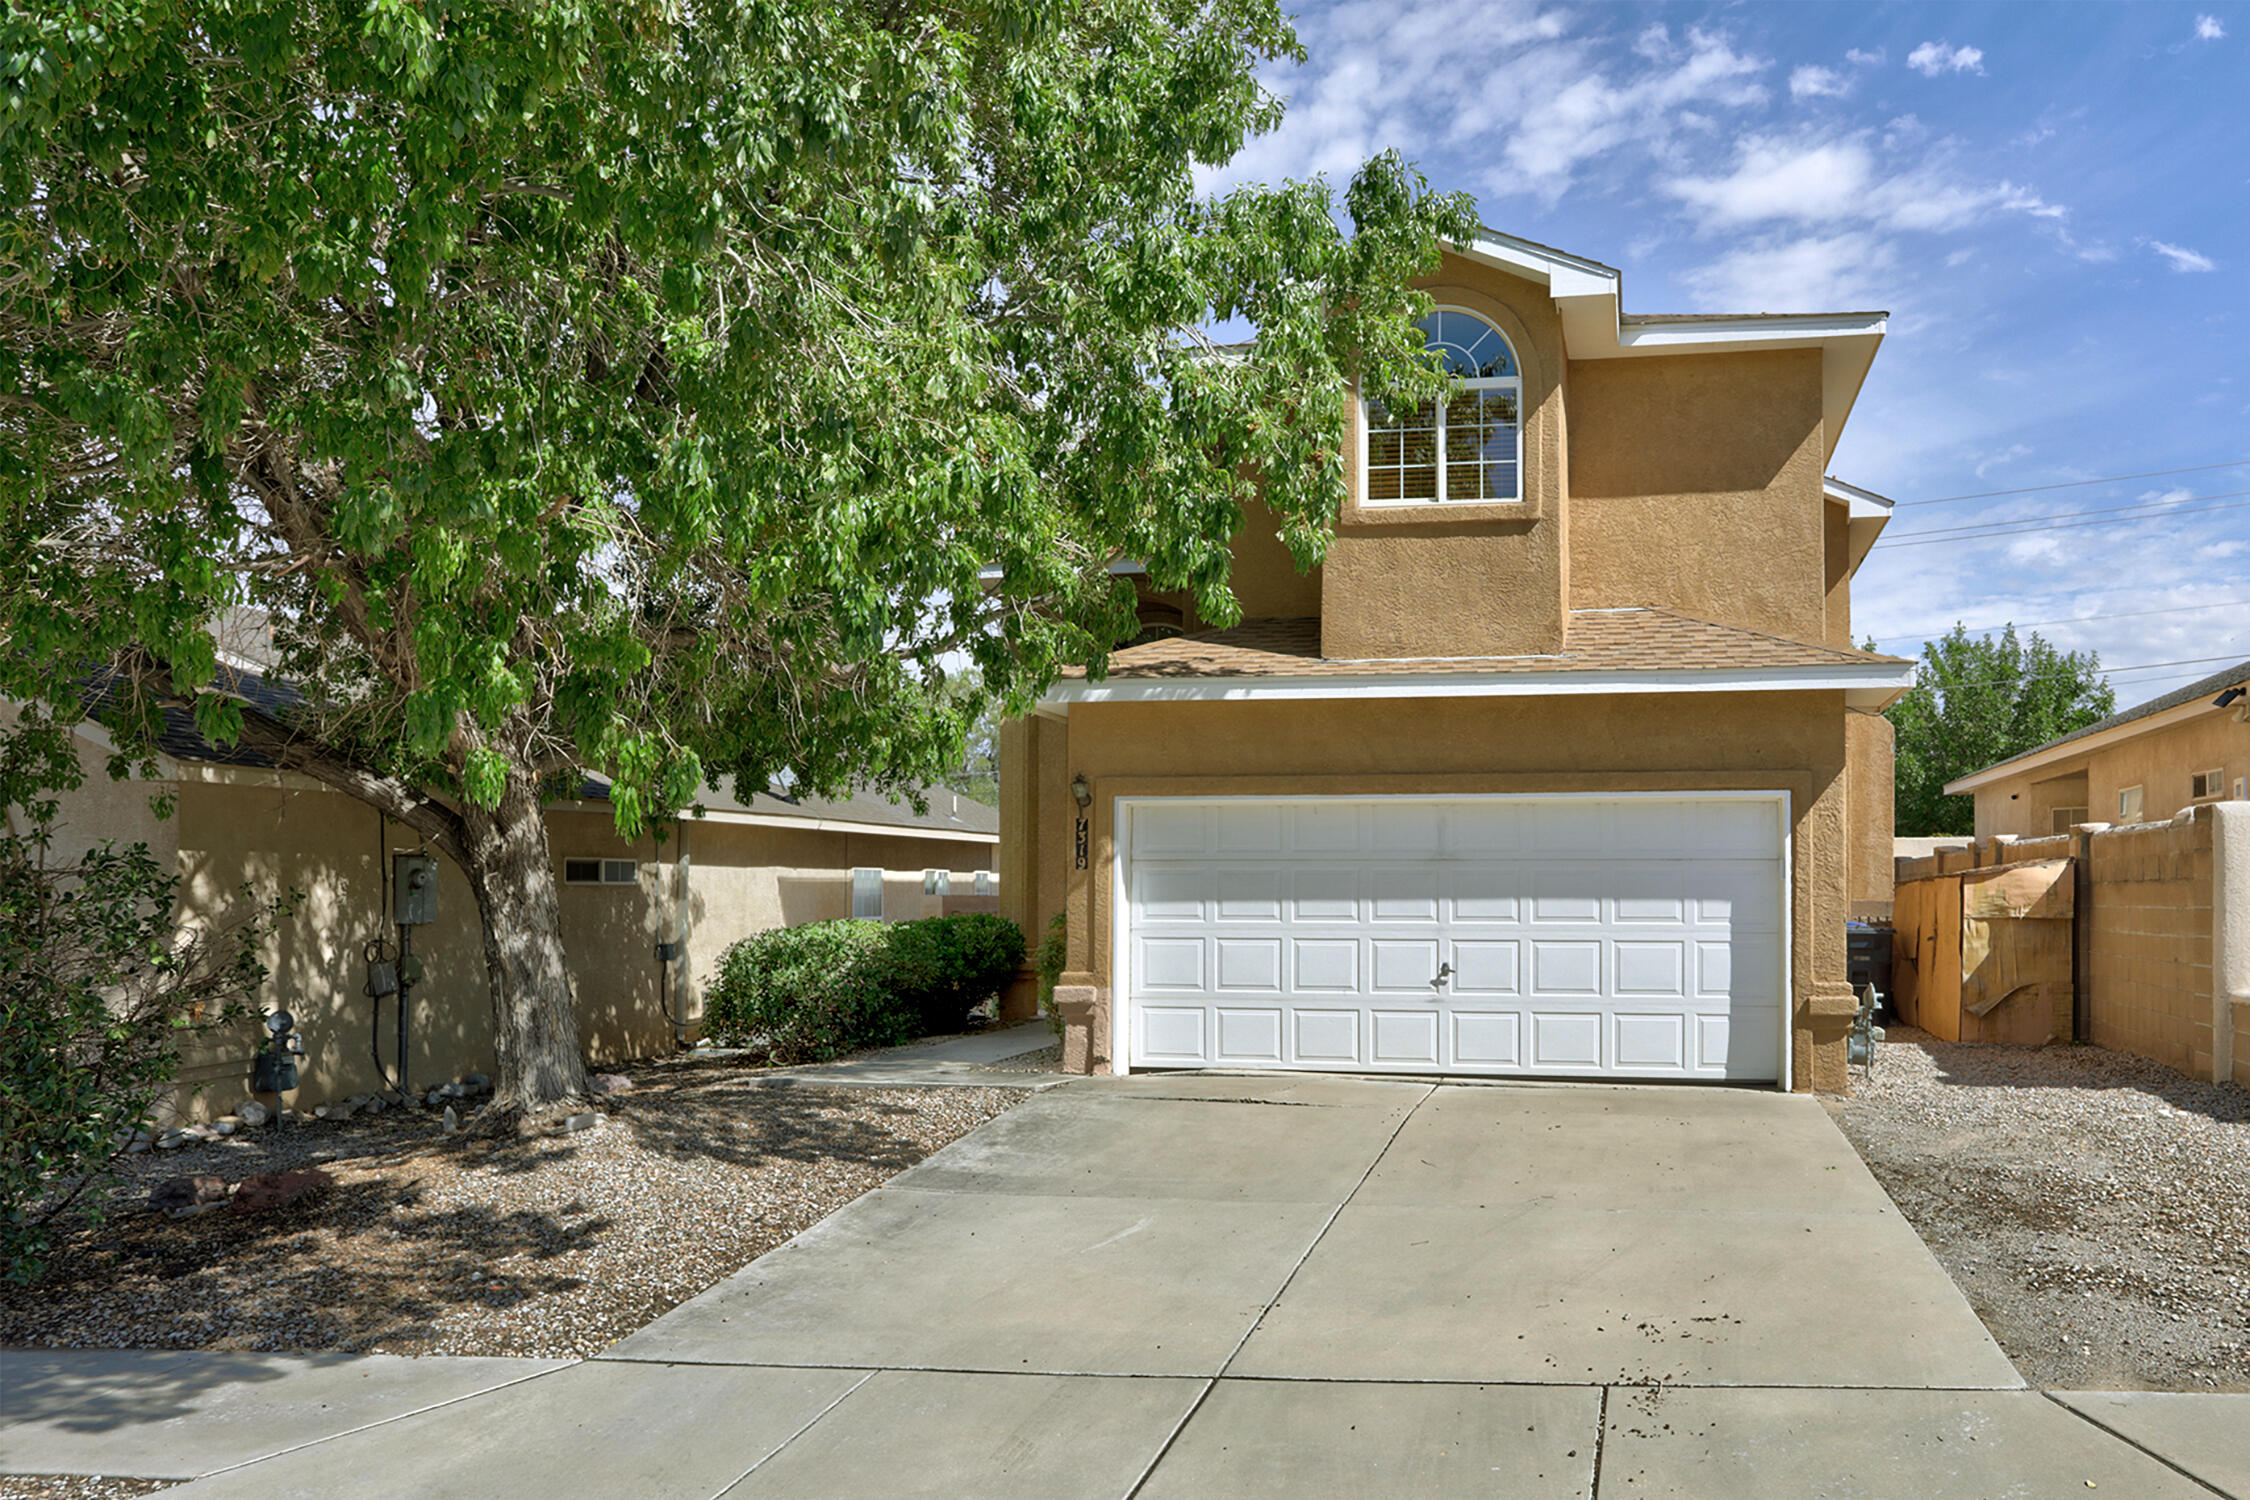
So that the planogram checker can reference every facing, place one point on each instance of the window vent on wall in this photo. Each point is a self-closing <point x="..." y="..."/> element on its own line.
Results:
<point x="2129" y="804"/>
<point x="2208" y="784"/>
<point x="600" y="872"/>
<point x="2067" y="818"/>
<point x="867" y="893"/>
<point x="937" y="882"/>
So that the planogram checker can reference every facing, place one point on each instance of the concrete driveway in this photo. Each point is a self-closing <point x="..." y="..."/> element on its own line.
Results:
<point x="1200" y="1285"/>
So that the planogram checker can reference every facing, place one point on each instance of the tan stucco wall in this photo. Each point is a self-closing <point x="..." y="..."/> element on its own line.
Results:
<point x="1695" y="486"/>
<point x="1836" y="562"/>
<point x="102" y="811"/>
<point x="1265" y="578"/>
<point x="2160" y="762"/>
<point x="277" y="835"/>
<point x="1452" y="580"/>
<point x="2149" y="989"/>
<point x="1871" y="807"/>
<point x="1792" y="742"/>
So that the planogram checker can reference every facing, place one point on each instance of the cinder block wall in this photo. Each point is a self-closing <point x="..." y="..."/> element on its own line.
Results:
<point x="2150" y="986"/>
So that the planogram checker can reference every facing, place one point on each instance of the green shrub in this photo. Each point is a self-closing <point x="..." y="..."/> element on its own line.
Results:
<point x="945" y="967"/>
<point x="816" y="992"/>
<point x="1054" y="952"/>
<point x="808" y="994"/>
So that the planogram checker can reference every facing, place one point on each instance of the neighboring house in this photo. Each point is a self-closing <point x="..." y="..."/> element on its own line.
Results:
<point x="2139" y="766"/>
<point x="736" y="869"/>
<point x="1562" y="763"/>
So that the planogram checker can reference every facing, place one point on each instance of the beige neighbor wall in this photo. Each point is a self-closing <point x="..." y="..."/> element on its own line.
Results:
<point x="100" y="811"/>
<point x="2150" y="986"/>
<point x="277" y="834"/>
<point x="1792" y="742"/>
<point x="1454" y="579"/>
<point x="1695" y="486"/>
<point x="2159" y="762"/>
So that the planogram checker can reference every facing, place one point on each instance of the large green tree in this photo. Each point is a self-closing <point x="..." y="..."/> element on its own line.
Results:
<point x="1978" y="699"/>
<point x="640" y="386"/>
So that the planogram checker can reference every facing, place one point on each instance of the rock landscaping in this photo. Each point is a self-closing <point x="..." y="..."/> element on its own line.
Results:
<point x="2093" y="1206"/>
<point x="77" y="1487"/>
<point x="380" y="1232"/>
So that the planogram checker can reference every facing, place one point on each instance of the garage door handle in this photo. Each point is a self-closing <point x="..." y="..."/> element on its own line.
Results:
<point x="1444" y="971"/>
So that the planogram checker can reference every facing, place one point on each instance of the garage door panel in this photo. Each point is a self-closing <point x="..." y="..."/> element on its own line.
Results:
<point x="1325" y="966"/>
<point x="1248" y="893"/>
<point x="1485" y="966"/>
<point x="1649" y="1041"/>
<point x="1403" y="965"/>
<point x="1248" y="1035"/>
<point x="1402" y="893"/>
<point x="1566" y="1041"/>
<point x="1487" y="1039"/>
<point x="1619" y="937"/>
<point x="1566" y="968"/>
<point x="1406" y="1037"/>
<point x="1247" y="964"/>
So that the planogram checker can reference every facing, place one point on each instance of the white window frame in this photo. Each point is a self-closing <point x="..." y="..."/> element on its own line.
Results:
<point x="610" y="871"/>
<point x="2129" y="801"/>
<point x="860" y="891"/>
<point x="1512" y="383"/>
<point x="937" y="882"/>
<point x="2214" y="785"/>
<point x="987" y="884"/>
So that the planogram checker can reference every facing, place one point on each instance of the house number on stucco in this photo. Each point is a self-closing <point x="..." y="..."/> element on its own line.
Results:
<point x="1080" y="855"/>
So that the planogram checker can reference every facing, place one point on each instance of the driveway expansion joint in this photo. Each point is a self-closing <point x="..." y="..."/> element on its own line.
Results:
<point x="2132" y="1442"/>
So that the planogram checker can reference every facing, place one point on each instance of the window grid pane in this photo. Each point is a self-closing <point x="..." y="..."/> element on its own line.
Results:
<point x="1480" y="446"/>
<point x="1402" y="456"/>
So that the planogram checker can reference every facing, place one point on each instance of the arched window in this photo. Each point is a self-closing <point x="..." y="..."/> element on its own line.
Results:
<point x="1465" y="448"/>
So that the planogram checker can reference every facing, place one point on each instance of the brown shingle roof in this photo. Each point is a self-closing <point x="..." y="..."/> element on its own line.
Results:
<point x="1596" y="640"/>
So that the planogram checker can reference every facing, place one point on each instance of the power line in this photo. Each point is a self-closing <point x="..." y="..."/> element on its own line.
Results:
<point x="2033" y="489"/>
<point x="2129" y="614"/>
<point x="2153" y="507"/>
<point x="2150" y="666"/>
<point x="1932" y="541"/>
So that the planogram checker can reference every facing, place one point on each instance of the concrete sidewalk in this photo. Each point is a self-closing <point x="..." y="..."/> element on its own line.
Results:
<point x="1199" y="1285"/>
<point x="956" y="1061"/>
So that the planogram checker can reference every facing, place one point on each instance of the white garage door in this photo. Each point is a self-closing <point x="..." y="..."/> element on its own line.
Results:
<point x="1580" y="937"/>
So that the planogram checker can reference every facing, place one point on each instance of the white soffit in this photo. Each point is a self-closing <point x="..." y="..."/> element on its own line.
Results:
<point x="1870" y="513"/>
<point x="1872" y="687"/>
<point x="1589" y="297"/>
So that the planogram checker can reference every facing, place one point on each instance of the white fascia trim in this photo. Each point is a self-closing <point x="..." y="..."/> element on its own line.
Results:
<point x="821" y="825"/>
<point x="1864" y="687"/>
<point x="1869" y="513"/>
<point x="2034" y="760"/>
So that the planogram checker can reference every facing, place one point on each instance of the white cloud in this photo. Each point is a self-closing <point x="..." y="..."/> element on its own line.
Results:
<point x="2183" y="259"/>
<point x="1815" y="82"/>
<point x="2221" y="551"/>
<point x="1933" y="58"/>
<point x="2007" y="455"/>
<point x="1873" y="59"/>
<point x="1840" y="179"/>
<point x="1815" y="273"/>
<point x="2033" y="549"/>
<point x="2208" y="29"/>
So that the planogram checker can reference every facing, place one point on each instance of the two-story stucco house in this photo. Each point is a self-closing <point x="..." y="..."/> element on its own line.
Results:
<point x="1560" y="764"/>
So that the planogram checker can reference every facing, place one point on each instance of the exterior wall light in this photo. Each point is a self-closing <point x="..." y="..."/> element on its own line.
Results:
<point x="1080" y="792"/>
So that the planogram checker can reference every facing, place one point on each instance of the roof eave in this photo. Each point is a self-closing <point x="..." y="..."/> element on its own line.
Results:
<point x="2069" y="748"/>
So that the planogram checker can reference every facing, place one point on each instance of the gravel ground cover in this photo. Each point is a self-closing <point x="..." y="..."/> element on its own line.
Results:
<point x="1045" y="1060"/>
<point x="553" y="1246"/>
<point x="76" y="1487"/>
<point x="2093" y="1206"/>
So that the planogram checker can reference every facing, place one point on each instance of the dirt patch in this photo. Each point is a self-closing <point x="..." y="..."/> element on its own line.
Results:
<point x="77" y="1487"/>
<point x="431" y="1244"/>
<point x="2093" y="1206"/>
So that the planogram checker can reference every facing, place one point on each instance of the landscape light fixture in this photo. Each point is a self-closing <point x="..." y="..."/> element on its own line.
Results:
<point x="1080" y="792"/>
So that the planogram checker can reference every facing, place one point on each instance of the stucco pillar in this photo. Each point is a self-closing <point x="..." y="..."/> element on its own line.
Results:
<point x="2230" y="940"/>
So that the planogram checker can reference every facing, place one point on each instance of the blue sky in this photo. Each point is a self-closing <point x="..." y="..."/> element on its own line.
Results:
<point x="2053" y="201"/>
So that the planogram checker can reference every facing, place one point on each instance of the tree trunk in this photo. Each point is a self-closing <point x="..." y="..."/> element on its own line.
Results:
<point x="534" y="1022"/>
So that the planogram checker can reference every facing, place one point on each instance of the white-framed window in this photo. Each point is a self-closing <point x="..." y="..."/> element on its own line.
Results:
<point x="2128" y="804"/>
<point x="2205" y="784"/>
<point x="867" y="893"/>
<point x="601" y="872"/>
<point x="987" y="883"/>
<point x="937" y="882"/>
<point x="1466" y="448"/>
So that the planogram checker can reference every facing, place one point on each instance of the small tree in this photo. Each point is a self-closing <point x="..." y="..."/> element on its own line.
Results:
<point x="1980" y="699"/>
<point x="646" y="389"/>
<point x="98" y="993"/>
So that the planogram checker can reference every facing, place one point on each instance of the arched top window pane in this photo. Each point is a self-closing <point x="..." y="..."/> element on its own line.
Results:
<point x="1473" y="348"/>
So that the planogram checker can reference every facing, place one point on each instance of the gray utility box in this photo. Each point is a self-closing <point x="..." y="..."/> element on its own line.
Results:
<point x="414" y="890"/>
